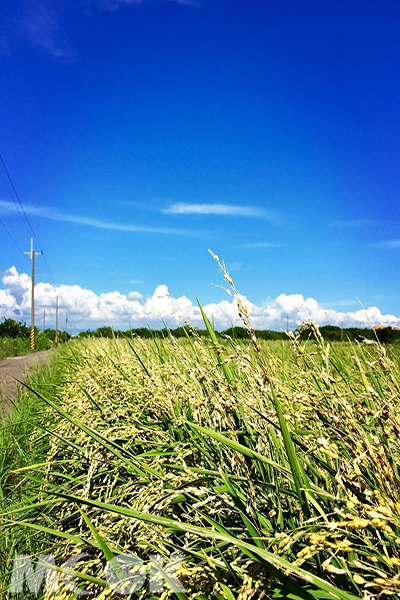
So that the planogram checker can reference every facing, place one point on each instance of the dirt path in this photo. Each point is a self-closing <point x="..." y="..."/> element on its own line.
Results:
<point x="19" y="367"/>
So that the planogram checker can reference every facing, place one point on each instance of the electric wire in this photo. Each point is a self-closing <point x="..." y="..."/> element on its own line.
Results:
<point x="48" y="268"/>
<point x="25" y="218"/>
<point x="11" y="196"/>
<point x="20" y="208"/>
<point x="12" y="239"/>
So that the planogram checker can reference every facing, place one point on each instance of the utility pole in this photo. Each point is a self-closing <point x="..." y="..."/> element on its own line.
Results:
<point x="32" y="254"/>
<point x="44" y="321"/>
<point x="57" y="320"/>
<point x="66" y="324"/>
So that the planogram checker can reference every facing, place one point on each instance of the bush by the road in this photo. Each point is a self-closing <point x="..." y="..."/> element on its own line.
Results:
<point x="15" y="338"/>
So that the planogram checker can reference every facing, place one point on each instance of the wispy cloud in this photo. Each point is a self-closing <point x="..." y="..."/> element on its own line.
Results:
<point x="388" y="244"/>
<point x="228" y="210"/>
<point x="356" y="223"/>
<point x="336" y="303"/>
<point x="113" y="5"/>
<point x="235" y="266"/>
<point x="256" y="245"/>
<point x="41" y="23"/>
<point x="56" y="215"/>
<point x="195" y="3"/>
<point x="5" y="49"/>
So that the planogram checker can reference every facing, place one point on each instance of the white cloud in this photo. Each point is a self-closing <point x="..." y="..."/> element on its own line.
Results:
<point x="135" y="296"/>
<point x="89" y="310"/>
<point x="8" y="305"/>
<point x="17" y="284"/>
<point x="55" y="215"/>
<point x="229" y="210"/>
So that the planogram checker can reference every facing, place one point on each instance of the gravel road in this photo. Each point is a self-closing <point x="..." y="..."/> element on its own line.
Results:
<point x="19" y="367"/>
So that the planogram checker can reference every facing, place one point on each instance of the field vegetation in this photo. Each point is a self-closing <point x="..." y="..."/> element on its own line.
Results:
<point x="15" y="338"/>
<point x="272" y="467"/>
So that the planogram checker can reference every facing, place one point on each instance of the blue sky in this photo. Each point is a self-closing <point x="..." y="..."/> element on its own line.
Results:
<point x="140" y="134"/>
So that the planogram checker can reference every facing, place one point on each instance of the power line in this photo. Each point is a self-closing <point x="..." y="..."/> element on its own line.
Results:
<point x="27" y="222"/>
<point x="48" y="268"/>
<point x="21" y="208"/>
<point x="12" y="239"/>
<point x="18" y="211"/>
<point x="9" y="193"/>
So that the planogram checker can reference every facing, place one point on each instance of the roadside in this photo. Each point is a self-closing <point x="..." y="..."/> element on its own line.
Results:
<point x="18" y="367"/>
<point x="22" y="443"/>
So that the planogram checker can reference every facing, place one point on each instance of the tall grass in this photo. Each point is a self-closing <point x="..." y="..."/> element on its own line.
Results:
<point x="13" y="347"/>
<point x="22" y="444"/>
<point x="21" y="345"/>
<point x="272" y="467"/>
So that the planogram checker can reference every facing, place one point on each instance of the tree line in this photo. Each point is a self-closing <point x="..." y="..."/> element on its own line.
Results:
<point x="329" y="333"/>
<point x="9" y="328"/>
<point x="18" y="329"/>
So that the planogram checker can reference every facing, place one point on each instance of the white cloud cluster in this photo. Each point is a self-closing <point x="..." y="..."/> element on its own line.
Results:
<point x="89" y="310"/>
<point x="8" y="303"/>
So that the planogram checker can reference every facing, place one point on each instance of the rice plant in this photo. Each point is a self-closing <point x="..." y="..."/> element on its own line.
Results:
<point x="273" y="468"/>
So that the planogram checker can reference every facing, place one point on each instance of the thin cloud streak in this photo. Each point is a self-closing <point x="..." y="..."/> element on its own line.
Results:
<point x="55" y="215"/>
<point x="193" y="3"/>
<point x="228" y="210"/>
<point x="388" y="244"/>
<point x="114" y="5"/>
<point x="260" y="245"/>
<point x="356" y="224"/>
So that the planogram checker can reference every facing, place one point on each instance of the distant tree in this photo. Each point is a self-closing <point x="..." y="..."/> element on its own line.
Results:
<point x="87" y="333"/>
<point x="13" y="329"/>
<point x="386" y="335"/>
<point x="331" y="333"/>
<point x="50" y="334"/>
<point x="268" y="334"/>
<point x="104" y="332"/>
<point x="237" y="333"/>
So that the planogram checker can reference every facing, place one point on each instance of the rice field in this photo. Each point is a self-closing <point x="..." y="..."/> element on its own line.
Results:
<point x="271" y="469"/>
